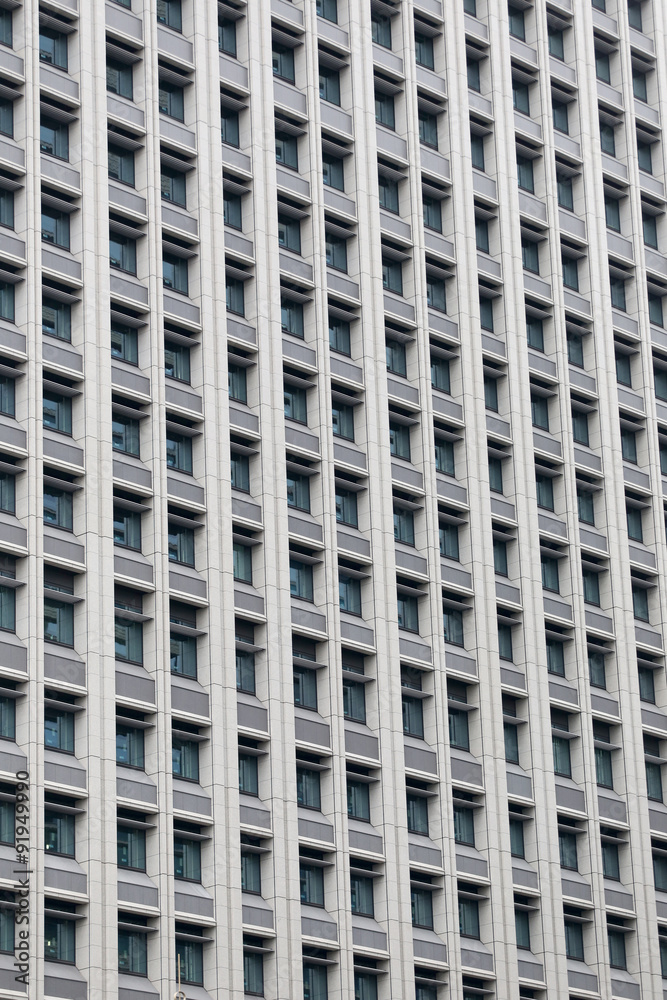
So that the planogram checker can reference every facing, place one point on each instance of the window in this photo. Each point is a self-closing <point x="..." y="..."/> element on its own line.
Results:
<point x="291" y="317"/>
<point x="131" y="851"/>
<point x="53" y="47"/>
<point x="125" y="434"/>
<point x="608" y="139"/>
<point x="464" y="825"/>
<point x="655" y="309"/>
<point x="525" y="174"/>
<point x="286" y="150"/>
<point x="365" y="986"/>
<point x="505" y="645"/>
<point x="169" y="13"/>
<point x="58" y="622"/>
<point x="301" y="580"/>
<point x="653" y="781"/>
<point x="500" y="556"/>
<point x="640" y="603"/>
<point x="289" y="233"/>
<point x="570" y="273"/>
<point x="469" y="918"/>
<point x="436" y="294"/>
<point x="56" y="319"/>
<point x="172" y="187"/>
<point x="617" y="289"/>
<point x="129" y="640"/>
<point x="424" y="50"/>
<point x="560" y="116"/>
<point x="175" y="273"/>
<point x="187" y="859"/>
<point x="346" y="507"/>
<point x="517" y="842"/>
<point x="428" y="129"/>
<point x="58" y="833"/>
<point x="396" y="359"/>
<point x="336" y="252"/>
<point x="565" y="192"/>
<point x="585" y="505"/>
<point x="550" y="579"/>
<point x="235" y="296"/>
<point x="124" y="343"/>
<point x="7" y="719"/>
<point x="311" y="878"/>
<point x="227" y="36"/>
<point x="251" y="871"/>
<point x="388" y="193"/>
<point x="7" y="493"/>
<point x="349" y="594"/>
<point x="132" y="951"/>
<point x="603" y="768"/>
<point x="556" y="44"/>
<point x="119" y="78"/>
<point x="358" y="800"/>
<point x="477" y="151"/>
<point x="540" y="411"/>
<point x="170" y="100"/>
<point x="650" y="230"/>
<point x="381" y="29"/>
<point x="617" y="956"/>
<point x="413" y="716"/>
<point x="574" y="940"/>
<point x="7" y="208"/>
<point x="333" y="172"/>
<point x="342" y="417"/>
<point x="474" y="75"/>
<point x="404" y="526"/>
<point x="491" y="393"/>
<point x="7" y="118"/>
<point x="283" y="62"/>
<point x="328" y="9"/>
<point x="639" y="88"/>
<point x="530" y="256"/>
<point x="567" y="846"/>
<point x="298" y="491"/>
<point x="449" y="541"/>
<point x="610" y="863"/>
<point x="440" y="373"/>
<point x="57" y="409"/>
<point x="482" y="235"/>
<point x="179" y="452"/>
<point x="422" y="907"/>
<point x="629" y="445"/>
<point x="191" y="955"/>
<point x="8" y="606"/>
<point x="177" y="361"/>
<point x="240" y="472"/>
<point x="248" y="774"/>
<point x="495" y="474"/>
<point x="646" y="685"/>
<point x="59" y="730"/>
<point x="645" y="157"/>
<point x="242" y="562"/>
<point x="561" y="752"/>
<point x="330" y="85"/>
<point x="522" y="925"/>
<point x="486" y="313"/>
<point x="444" y="456"/>
<point x="511" y="743"/>
<point x="602" y="68"/>
<point x="229" y="127"/>
<point x="308" y="788"/>
<point x="339" y="335"/>
<point x="623" y="368"/>
<point x="596" y="669"/>
<point x="295" y="404"/>
<point x="314" y="982"/>
<point x="417" y="807"/>
<point x="6" y="30"/>
<point x="231" y="209"/>
<point x="123" y="253"/>
<point x="459" y="735"/>
<point x="7" y="397"/>
<point x="517" y="23"/>
<point x="392" y="276"/>
<point x="384" y="110"/>
<point x="121" y="165"/>
<point x="399" y="440"/>
<point x="57" y="507"/>
<point x="129" y="746"/>
<point x="59" y="938"/>
<point x="55" y="228"/>
<point x="580" y="427"/>
<point x="185" y="758"/>
<point x="521" y="97"/>
<point x="305" y="687"/>
<point x="361" y="893"/>
<point x="181" y="544"/>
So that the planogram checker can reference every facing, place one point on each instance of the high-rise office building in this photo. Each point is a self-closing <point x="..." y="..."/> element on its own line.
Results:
<point x="333" y="427"/>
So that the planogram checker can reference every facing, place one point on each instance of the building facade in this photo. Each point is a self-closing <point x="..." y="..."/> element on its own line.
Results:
<point x="333" y="428"/>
